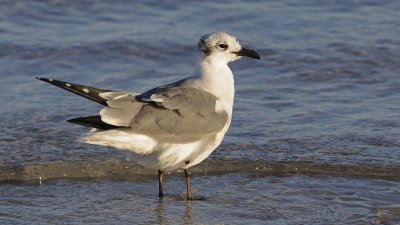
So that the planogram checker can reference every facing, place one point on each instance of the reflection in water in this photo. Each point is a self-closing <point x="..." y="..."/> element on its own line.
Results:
<point x="188" y="216"/>
<point x="162" y="213"/>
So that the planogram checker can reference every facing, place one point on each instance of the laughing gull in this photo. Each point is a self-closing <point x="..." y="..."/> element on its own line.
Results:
<point x="174" y="126"/>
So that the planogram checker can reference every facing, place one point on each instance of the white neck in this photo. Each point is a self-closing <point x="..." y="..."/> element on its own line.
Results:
<point x="217" y="78"/>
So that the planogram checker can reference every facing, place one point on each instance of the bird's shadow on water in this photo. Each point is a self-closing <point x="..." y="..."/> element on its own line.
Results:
<point x="163" y="204"/>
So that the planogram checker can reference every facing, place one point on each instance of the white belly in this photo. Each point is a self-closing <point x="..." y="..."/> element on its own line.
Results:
<point x="158" y="156"/>
<point x="180" y="156"/>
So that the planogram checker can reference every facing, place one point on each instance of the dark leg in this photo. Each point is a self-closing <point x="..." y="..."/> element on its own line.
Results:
<point x="189" y="192"/>
<point x="160" y="190"/>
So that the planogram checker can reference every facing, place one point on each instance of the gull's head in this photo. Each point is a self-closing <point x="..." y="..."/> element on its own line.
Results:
<point x="224" y="46"/>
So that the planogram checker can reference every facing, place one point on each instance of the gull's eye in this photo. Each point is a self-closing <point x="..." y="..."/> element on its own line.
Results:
<point x="223" y="46"/>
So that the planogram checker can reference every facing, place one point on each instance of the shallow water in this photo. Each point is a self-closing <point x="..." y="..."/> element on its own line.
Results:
<point x="321" y="108"/>
<point x="226" y="199"/>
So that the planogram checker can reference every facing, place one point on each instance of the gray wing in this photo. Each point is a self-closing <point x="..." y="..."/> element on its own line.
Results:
<point x="169" y="114"/>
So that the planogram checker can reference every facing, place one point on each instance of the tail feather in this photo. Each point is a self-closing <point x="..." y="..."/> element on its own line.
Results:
<point x="82" y="90"/>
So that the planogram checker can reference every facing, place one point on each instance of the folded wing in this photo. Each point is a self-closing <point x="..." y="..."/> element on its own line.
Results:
<point x="172" y="113"/>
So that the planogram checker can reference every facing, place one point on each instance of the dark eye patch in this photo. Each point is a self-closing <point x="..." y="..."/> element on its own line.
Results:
<point x="224" y="46"/>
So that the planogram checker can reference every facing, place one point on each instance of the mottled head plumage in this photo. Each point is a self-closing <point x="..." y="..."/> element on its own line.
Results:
<point x="224" y="45"/>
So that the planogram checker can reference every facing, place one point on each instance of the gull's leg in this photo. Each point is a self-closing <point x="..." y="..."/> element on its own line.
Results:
<point x="160" y="189"/>
<point x="189" y="192"/>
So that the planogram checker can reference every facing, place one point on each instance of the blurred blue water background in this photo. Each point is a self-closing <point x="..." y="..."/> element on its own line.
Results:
<point x="326" y="91"/>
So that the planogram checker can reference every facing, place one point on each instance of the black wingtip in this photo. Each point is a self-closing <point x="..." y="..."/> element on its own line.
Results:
<point x="82" y="90"/>
<point x="48" y="80"/>
<point x="92" y="121"/>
